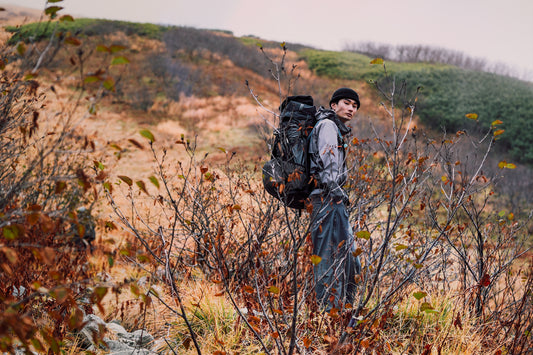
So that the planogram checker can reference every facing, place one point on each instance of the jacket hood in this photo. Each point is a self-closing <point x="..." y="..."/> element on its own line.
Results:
<point x="324" y="113"/>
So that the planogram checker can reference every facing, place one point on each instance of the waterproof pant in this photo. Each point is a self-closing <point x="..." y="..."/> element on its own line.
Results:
<point x="333" y="241"/>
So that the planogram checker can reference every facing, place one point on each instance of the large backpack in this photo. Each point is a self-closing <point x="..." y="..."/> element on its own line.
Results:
<point x="286" y="176"/>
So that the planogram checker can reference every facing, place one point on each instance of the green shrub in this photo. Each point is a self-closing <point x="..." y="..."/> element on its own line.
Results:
<point x="85" y="26"/>
<point x="447" y="94"/>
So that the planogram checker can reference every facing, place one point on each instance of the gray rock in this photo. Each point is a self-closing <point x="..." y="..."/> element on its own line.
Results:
<point x="115" y="346"/>
<point x="116" y="329"/>
<point x="92" y="329"/>
<point x="132" y="352"/>
<point x="137" y="338"/>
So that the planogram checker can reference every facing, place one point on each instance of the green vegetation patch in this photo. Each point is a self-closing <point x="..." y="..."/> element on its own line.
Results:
<point x="447" y="94"/>
<point x="89" y="27"/>
<point x="355" y="66"/>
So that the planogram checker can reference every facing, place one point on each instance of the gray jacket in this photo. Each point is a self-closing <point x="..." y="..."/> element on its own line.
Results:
<point x="327" y="154"/>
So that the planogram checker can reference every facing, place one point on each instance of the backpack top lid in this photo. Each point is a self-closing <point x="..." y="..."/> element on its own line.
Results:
<point x="304" y="99"/>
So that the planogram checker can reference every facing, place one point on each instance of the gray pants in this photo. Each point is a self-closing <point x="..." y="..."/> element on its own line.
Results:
<point x="333" y="241"/>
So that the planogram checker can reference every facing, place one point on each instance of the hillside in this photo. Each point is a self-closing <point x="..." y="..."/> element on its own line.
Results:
<point x="171" y="59"/>
<point x="133" y="216"/>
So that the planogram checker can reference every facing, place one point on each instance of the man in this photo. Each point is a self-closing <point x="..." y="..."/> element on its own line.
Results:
<point x="330" y="228"/>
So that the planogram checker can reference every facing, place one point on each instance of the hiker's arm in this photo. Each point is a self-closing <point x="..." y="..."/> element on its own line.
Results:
<point x="328" y="148"/>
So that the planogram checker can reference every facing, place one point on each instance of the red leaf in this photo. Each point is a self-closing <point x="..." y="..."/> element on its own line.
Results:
<point x="485" y="280"/>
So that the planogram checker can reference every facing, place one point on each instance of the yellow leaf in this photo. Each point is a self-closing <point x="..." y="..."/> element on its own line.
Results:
<point x="444" y="178"/>
<point x="376" y="61"/>
<point x="498" y="132"/>
<point x="419" y="295"/>
<point x="273" y="289"/>
<point x="315" y="259"/>
<point x="510" y="166"/>
<point x="472" y="116"/>
<point x="363" y="235"/>
<point x="495" y="123"/>
<point x="400" y="247"/>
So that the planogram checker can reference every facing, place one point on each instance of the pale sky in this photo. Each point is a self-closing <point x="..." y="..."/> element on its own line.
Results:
<point x="495" y="30"/>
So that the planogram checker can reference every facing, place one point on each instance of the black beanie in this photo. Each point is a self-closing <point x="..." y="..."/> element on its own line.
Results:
<point x="345" y="93"/>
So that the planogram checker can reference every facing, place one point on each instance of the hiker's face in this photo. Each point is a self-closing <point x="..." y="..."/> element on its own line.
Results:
<point x="345" y="109"/>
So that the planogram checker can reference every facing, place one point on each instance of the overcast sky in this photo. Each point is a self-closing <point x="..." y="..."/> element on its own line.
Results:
<point x="495" y="30"/>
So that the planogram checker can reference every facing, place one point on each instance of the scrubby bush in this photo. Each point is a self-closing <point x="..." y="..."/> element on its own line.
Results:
<point x="447" y="94"/>
<point x="34" y="32"/>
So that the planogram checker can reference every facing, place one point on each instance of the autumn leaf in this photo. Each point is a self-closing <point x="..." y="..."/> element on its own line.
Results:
<point x="472" y="116"/>
<point x="126" y="179"/>
<point x="12" y="232"/>
<point x="154" y="181"/>
<point x="425" y="307"/>
<point x="485" y="281"/>
<point x="363" y="235"/>
<point x="109" y="84"/>
<point x="357" y="252"/>
<point x="142" y="186"/>
<point x="273" y="289"/>
<point x="102" y="48"/>
<point x="118" y="60"/>
<point x="505" y="165"/>
<point x="73" y="41"/>
<point x="419" y="295"/>
<point x="91" y="79"/>
<point x="99" y="293"/>
<point x="21" y="48"/>
<point x="248" y="289"/>
<point x="147" y="134"/>
<point x="135" y="143"/>
<point x="315" y="259"/>
<point x="10" y="254"/>
<point x="66" y="18"/>
<point x="495" y="123"/>
<point x="307" y="342"/>
<point x="52" y="11"/>
<point x="498" y="132"/>
<point x="376" y="61"/>
<point x="116" y="48"/>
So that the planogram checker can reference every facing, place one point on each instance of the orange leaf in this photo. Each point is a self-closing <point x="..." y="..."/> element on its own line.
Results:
<point x="498" y="132"/>
<point x="472" y="116"/>
<point x="248" y="289"/>
<point x="307" y="342"/>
